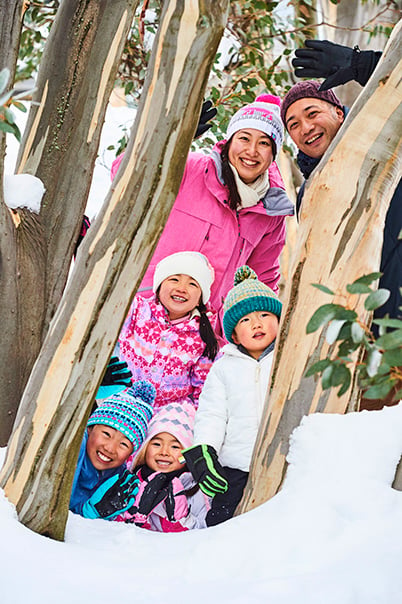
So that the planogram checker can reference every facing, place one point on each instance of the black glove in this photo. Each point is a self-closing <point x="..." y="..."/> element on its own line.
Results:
<point x="86" y="223"/>
<point x="338" y="64"/>
<point x="207" y="113"/>
<point x="112" y="497"/>
<point x="151" y="494"/>
<point x="117" y="377"/>
<point x="202" y="462"/>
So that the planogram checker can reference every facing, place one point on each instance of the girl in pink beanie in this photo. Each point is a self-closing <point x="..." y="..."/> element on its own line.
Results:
<point x="168" y="500"/>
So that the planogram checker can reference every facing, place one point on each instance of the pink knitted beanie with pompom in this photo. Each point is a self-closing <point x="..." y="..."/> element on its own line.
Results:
<point x="264" y="115"/>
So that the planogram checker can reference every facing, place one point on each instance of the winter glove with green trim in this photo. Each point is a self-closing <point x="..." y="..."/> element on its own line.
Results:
<point x="338" y="64"/>
<point x="117" y="378"/>
<point x="113" y="497"/>
<point x="202" y="462"/>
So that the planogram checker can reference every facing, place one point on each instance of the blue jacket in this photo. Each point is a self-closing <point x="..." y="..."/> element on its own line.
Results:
<point x="87" y="478"/>
<point x="391" y="255"/>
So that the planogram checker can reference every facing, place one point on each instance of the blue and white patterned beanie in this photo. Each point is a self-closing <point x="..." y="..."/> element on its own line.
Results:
<point x="248" y="295"/>
<point x="128" y="411"/>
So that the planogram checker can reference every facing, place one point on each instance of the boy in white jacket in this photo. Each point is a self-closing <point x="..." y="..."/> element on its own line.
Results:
<point x="233" y="396"/>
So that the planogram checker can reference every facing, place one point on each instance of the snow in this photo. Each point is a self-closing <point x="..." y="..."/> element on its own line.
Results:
<point x="332" y="535"/>
<point x="23" y="191"/>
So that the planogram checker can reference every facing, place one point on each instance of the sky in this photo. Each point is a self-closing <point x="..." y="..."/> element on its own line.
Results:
<point x="332" y="535"/>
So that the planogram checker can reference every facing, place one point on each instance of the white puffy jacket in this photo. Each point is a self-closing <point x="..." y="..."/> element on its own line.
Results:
<point x="231" y="405"/>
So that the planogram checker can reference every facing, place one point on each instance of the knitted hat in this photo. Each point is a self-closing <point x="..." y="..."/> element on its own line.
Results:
<point x="264" y="115"/>
<point x="248" y="295"/>
<point x="193" y="264"/>
<point x="306" y="90"/>
<point x="128" y="412"/>
<point x="175" y="418"/>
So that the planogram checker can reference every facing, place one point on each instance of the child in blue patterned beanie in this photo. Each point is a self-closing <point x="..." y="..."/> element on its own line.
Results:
<point x="115" y="430"/>
<point x="233" y="396"/>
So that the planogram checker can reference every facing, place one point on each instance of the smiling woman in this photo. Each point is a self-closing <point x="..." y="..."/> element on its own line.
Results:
<point x="231" y="204"/>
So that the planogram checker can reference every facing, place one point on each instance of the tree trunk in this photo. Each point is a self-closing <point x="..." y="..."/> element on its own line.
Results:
<point x="11" y="18"/>
<point x="41" y="457"/>
<point x="339" y="240"/>
<point x="59" y="146"/>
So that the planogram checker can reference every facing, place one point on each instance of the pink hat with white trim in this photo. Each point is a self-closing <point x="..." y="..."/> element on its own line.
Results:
<point x="264" y="115"/>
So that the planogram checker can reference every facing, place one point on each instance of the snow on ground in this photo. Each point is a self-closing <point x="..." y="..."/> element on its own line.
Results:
<point x="333" y="535"/>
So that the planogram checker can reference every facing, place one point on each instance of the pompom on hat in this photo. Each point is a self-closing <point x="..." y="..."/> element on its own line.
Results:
<point x="129" y="412"/>
<point x="248" y="295"/>
<point x="193" y="264"/>
<point x="306" y="90"/>
<point x="263" y="114"/>
<point x="176" y="419"/>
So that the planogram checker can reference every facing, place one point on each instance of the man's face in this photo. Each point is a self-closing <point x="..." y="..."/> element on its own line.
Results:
<point x="312" y="124"/>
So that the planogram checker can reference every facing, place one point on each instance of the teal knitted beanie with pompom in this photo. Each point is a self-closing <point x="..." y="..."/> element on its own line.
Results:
<point x="128" y="411"/>
<point x="248" y="295"/>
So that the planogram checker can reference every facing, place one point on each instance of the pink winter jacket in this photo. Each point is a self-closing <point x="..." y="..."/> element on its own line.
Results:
<point x="202" y="221"/>
<point x="169" y="355"/>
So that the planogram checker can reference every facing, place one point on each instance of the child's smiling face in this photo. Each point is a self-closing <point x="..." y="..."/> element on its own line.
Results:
<point x="255" y="331"/>
<point x="107" y="448"/>
<point x="179" y="294"/>
<point x="163" y="452"/>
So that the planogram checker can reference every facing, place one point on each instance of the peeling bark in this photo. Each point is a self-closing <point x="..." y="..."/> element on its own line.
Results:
<point x="339" y="240"/>
<point x="41" y="457"/>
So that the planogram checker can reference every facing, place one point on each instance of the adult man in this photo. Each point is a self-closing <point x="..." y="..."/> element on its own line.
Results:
<point x="313" y="114"/>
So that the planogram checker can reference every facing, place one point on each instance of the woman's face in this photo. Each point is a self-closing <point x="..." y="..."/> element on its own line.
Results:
<point x="251" y="153"/>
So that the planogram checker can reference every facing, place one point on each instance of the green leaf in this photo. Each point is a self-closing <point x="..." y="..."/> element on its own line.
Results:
<point x="326" y="313"/>
<point x="346" y="383"/>
<point x="345" y="313"/>
<point x="368" y="279"/>
<point x="9" y="115"/>
<point x="333" y="330"/>
<point x="379" y="390"/>
<point x="357" y="333"/>
<point x="6" y="127"/>
<point x="358" y="288"/>
<point x="339" y="374"/>
<point x="397" y="323"/>
<point x="374" y="358"/>
<point x="326" y="377"/>
<point x="323" y="288"/>
<point x="322" y="315"/>
<point x="317" y="367"/>
<point x="393" y="357"/>
<point x="390" y="340"/>
<point x="376" y="299"/>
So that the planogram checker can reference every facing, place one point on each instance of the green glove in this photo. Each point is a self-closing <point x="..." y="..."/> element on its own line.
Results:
<point x="202" y="462"/>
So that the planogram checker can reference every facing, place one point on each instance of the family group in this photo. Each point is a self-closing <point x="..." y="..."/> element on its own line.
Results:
<point x="169" y="445"/>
